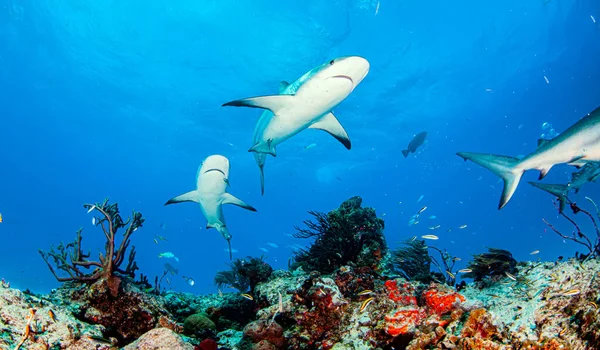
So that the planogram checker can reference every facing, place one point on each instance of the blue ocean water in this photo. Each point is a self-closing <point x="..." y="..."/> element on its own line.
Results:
<point x="121" y="99"/>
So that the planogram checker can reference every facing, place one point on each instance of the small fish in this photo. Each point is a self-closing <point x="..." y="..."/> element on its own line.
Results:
<point x="247" y="296"/>
<point x="155" y="241"/>
<point x="546" y="79"/>
<point x="593" y="19"/>
<point x="365" y="292"/>
<point x="94" y="221"/>
<point x="417" y="141"/>
<point x="52" y="316"/>
<point x="99" y="339"/>
<point x="422" y="209"/>
<point x="462" y="226"/>
<point x="264" y="249"/>
<point x="534" y="252"/>
<point x="220" y="292"/>
<point x="366" y="303"/>
<point x="1" y="218"/>
<point x="594" y="305"/>
<point x="430" y="237"/>
<point x="91" y="209"/>
<point x="413" y="239"/>
<point x="488" y="90"/>
<point x="435" y="227"/>
<point x="420" y="198"/>
<point x="563" y="331"/>
<point x="494" y="296"/>
<point x="571" y="292"/>
<point x="510" y="276"/>
<point x="189" y="280"/>
<point x="272" y="245"/>
<point x="378" y="3"/>
<point x="160" y="237"/>
<point x="168" y="255"/>
<point x="433" y="217"/>
<point x="451" y="274"/>
<point x="465" y="270"/>
<point x="457" y="259"/>
<point x="312" y="145"/>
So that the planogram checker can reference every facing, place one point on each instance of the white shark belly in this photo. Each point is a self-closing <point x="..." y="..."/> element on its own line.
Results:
<point x="581" y="146"/>
<point x="212" y="210"/>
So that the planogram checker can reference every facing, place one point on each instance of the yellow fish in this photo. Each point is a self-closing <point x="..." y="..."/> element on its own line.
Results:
<point x="247" y="296"/>
<point x="366" y="292"/>
<point x="366" y="303"/>
<point x="0" y="217"/>
<point x="571" y="292"/>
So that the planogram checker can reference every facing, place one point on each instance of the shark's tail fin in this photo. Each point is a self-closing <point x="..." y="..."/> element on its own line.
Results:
<point x="503" y="166"/>
<point x="262" y="180"/>
<point x="230" y="254"/>
<point x="560" y="191"/>
<point x="405" y="152"/>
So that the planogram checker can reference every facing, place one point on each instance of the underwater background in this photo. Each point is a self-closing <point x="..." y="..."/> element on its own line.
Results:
<point x="122" y="100"/>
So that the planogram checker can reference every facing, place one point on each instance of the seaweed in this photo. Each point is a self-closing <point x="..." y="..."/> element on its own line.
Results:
<point x="494" y="263"/>
<point x="414" y="263"/>
<point x="244" y="274"/>
<point x="349" y="235"/>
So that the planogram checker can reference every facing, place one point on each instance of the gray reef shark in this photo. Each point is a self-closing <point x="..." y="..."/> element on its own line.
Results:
<point x="581" y="141"/>
<point x="559" y="191"/>
<point x="211" y="185"/>
<point x="306" y="103"/>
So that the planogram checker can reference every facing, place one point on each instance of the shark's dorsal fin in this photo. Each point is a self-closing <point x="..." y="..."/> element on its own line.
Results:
<point x="330" y="124"/>
<point x="542" y="142"/>
<point x="283" y="85"/>
<point x="228" y="198"/>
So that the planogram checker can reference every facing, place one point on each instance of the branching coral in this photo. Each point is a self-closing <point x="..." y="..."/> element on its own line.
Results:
<point x="244" y="274"/>
<point x="71" y="259"/>
<point x="578" y="236"/>
<point x="496" y="262"/>
<point x="347" y="235"/>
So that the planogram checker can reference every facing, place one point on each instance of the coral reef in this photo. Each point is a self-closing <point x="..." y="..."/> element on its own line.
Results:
<point x="70" y="258"/>
<point x="349" y="235"/>
<point x="493" y="264"/>
<point x="244" y="274"/>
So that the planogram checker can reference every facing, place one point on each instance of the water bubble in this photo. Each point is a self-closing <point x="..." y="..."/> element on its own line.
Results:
<point x="546" y="126"/>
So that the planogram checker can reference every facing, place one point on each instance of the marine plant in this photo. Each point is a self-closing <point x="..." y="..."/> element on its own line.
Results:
<point x="73" y="261"/>
<point x="414" y="262"/>
<point x="494" y="263"/>
<point x="349" y="235"/>
<point x="578" y="235"/>
<point x="244" y="274"/>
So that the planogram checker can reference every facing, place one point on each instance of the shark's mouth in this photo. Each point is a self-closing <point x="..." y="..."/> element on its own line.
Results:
<point x="219" y="170"/>
<point x="344" y="77"/>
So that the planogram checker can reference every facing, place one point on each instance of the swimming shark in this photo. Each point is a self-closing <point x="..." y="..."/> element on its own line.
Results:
<point x="590" y="172"/>
<point x="212" y="181"/>
<point x="581" y="141"/>
<point x="307" y="103"/>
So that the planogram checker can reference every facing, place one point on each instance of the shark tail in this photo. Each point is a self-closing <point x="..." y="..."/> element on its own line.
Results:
<point x="405" y="152"/>
<point x="230" y="253"/>
<point x="262" y="180"/>
<point x="503" y="166"/>
<point x="560" y="191"/>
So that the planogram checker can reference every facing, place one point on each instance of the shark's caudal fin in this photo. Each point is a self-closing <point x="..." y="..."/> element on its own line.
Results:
<point x="228" y="198"/>
<point x="560" y="191"/>
<point x="405" y="153"/>
<point x="261" y="168"/>
<point x="503" y="166"/>
<point x="192" y="196"/>
<point x="330" y="124"/>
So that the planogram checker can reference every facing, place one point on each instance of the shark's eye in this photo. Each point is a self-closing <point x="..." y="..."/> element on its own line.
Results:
<point x="331" y="62"/>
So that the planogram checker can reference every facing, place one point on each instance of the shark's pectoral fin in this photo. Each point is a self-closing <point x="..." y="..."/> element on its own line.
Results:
<point x="330" y="124"/>
<point x="274" y="103"/>
<point x="228" y="198"/>
<point x="283" y="85"/>
<point x="192" y="196"/>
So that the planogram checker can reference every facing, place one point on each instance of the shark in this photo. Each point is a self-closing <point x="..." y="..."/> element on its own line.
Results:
<point x="557" y="190"/>
<point x="307" y="103"/>
<point x="579" y="142"/>
<point x="211" y="193"/>
<point x="590" y="172"/>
